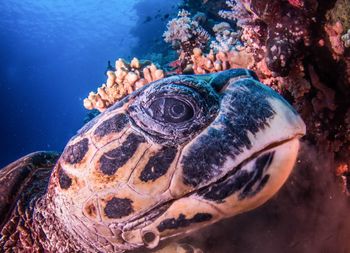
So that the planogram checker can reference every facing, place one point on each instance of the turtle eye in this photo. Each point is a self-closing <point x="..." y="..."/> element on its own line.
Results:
<point x="170" y="110"/>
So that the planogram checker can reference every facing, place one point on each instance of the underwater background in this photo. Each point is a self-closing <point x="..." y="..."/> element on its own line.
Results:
<point x="53" y="53"/>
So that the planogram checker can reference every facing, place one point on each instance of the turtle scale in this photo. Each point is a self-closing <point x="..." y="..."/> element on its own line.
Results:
<point x="127" y="180"/>
<point x="25" y="228"/>
<point x="18" y="173"/>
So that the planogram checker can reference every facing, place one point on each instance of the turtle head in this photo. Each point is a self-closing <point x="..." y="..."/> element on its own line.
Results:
<point x="179" y="154"/>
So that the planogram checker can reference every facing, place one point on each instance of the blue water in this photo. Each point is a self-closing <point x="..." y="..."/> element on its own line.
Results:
<point x="53" y="53"/>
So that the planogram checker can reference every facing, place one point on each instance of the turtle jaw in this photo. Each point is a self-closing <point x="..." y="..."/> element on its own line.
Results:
<point x="247" y="186"/>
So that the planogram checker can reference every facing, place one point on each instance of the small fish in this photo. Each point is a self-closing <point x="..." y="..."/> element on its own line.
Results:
<point x="165" y="17"/>
<point x="148" y="19"/>
<point x="109" y="68"/>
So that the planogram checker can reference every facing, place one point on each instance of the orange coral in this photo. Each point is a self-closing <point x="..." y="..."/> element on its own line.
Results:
<point x="121" y="82"/>
<point x="220" y="61"/>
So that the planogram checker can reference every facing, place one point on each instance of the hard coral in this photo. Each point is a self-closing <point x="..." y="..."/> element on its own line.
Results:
<point x="124" y="80"/>
<point x="220" y="61"/>
<point x="185" y="34"/>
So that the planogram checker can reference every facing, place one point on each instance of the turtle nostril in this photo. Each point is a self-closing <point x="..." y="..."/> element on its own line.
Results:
<point x="150" y="239"/>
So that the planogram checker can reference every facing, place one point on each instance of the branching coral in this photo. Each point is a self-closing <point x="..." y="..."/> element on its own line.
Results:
<point x="225" y="38"/>
<point x="185" y="34"/>
<point x="124" y="80"/>
<point x="238" y="12"/>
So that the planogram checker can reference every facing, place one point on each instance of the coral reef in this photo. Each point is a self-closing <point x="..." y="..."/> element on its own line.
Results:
<point x="211" y="62"/>
<point x="273" y="29"/>
<point x="126" y="78"/>
<point x="185" y="34"/>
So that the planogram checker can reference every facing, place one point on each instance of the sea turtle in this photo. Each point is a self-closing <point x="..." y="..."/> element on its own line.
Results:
<point x="176" y="155"/>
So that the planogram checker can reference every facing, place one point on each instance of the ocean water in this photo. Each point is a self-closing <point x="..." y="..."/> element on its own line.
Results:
<point x="53" y="53"/>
